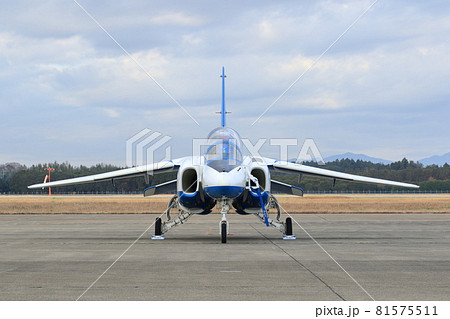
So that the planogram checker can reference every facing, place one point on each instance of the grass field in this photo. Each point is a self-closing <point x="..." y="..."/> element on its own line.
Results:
<point x="309" y="204"/>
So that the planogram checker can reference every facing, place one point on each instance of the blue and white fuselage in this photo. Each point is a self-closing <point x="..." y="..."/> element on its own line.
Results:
<point x="224" y="176"/>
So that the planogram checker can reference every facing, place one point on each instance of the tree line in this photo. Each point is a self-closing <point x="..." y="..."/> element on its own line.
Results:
<point x="16" y="178"/>
<point x="17" y="181"/>
<point x="429" y="178"/>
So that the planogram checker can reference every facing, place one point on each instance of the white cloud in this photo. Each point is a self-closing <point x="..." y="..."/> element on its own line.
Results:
<point x="21" y="50"/>
<point x="323" y="102"/>
<point x="54" y="61"/>
<point x="177" y="19"/>
<point x="111" y="112"/>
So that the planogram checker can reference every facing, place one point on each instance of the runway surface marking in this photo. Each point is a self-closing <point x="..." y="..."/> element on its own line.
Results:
<point x="115" y="261"/>
<point x="301" y="264"/>
<point x="307" y="233"/>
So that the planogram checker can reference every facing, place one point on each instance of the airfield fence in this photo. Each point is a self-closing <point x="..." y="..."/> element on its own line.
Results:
<point x="305" y="192"/>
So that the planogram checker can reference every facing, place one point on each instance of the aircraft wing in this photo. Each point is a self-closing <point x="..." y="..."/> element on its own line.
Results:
<point x="159" y="167"/>
<point x="288" y="167"/>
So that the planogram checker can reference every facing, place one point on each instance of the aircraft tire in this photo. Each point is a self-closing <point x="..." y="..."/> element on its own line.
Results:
<point x="223" y="232"/>
<point x="288" y="226"/>
<point x="158" y="226"/>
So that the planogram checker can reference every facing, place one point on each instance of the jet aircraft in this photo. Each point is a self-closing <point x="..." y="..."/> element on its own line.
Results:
<point x="224" y="178"/>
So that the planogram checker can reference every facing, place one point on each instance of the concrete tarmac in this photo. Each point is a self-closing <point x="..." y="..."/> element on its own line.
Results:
<point x="353" y="257"/>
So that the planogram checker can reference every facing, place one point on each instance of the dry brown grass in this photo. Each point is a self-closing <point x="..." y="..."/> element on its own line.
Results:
<point x="309" y="204"/>
<point x="81" y="204"/>
<point x="367" y="204"/>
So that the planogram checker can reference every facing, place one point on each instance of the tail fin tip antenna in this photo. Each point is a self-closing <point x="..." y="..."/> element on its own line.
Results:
<point x="223" y="112"/>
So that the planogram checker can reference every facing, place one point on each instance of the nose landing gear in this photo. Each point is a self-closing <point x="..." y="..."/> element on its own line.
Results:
<point x="224" y="231"/>
<point x="225" y="208"/>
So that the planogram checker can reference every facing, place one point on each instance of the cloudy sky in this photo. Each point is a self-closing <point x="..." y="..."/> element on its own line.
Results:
<point x="70" y="92"/>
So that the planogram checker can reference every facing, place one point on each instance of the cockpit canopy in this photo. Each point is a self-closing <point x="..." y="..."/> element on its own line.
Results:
<point x="224" y="151"/>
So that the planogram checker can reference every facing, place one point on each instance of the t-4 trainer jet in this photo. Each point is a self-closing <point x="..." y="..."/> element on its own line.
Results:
<point x="222" y="177"/>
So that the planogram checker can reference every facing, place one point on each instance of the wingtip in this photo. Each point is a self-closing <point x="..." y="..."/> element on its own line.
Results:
<point x="36" y="186"/>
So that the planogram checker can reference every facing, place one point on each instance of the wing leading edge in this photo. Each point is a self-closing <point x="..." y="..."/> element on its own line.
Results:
<point x="288" y="167"/>
<point x="119" y="174"/>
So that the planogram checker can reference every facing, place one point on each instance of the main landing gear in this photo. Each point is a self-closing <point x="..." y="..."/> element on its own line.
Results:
<point x="163" y="227"/>
<point x="283" y="227"/>
<point x="288" y="227"/>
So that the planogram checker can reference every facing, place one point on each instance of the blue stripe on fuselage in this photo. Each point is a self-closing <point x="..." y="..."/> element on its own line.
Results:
<point x="219" y="192"/>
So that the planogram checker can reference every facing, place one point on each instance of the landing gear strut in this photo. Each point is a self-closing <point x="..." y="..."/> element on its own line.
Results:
<point x="283" y="227"/>
<point x="225" y="208"/>
<point x="163" y="227"/>
<point x="273" y="204"/>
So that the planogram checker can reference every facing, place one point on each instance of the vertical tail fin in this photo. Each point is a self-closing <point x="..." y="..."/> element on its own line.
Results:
<point x="223" y="112"/>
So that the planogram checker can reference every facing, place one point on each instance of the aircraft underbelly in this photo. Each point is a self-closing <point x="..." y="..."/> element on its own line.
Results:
<point x="196" y="203"/>
<point x="249" y="202"/>
<point x="219" y="192"/>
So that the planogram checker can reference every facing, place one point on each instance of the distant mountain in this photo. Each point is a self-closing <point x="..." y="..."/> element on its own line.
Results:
<point x="436" y="159"/>
<point x="356" y="157"/>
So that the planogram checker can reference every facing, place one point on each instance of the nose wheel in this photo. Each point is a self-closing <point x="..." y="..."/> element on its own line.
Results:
<point x="223" y="231"/>
<point x="225" y="208"/>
